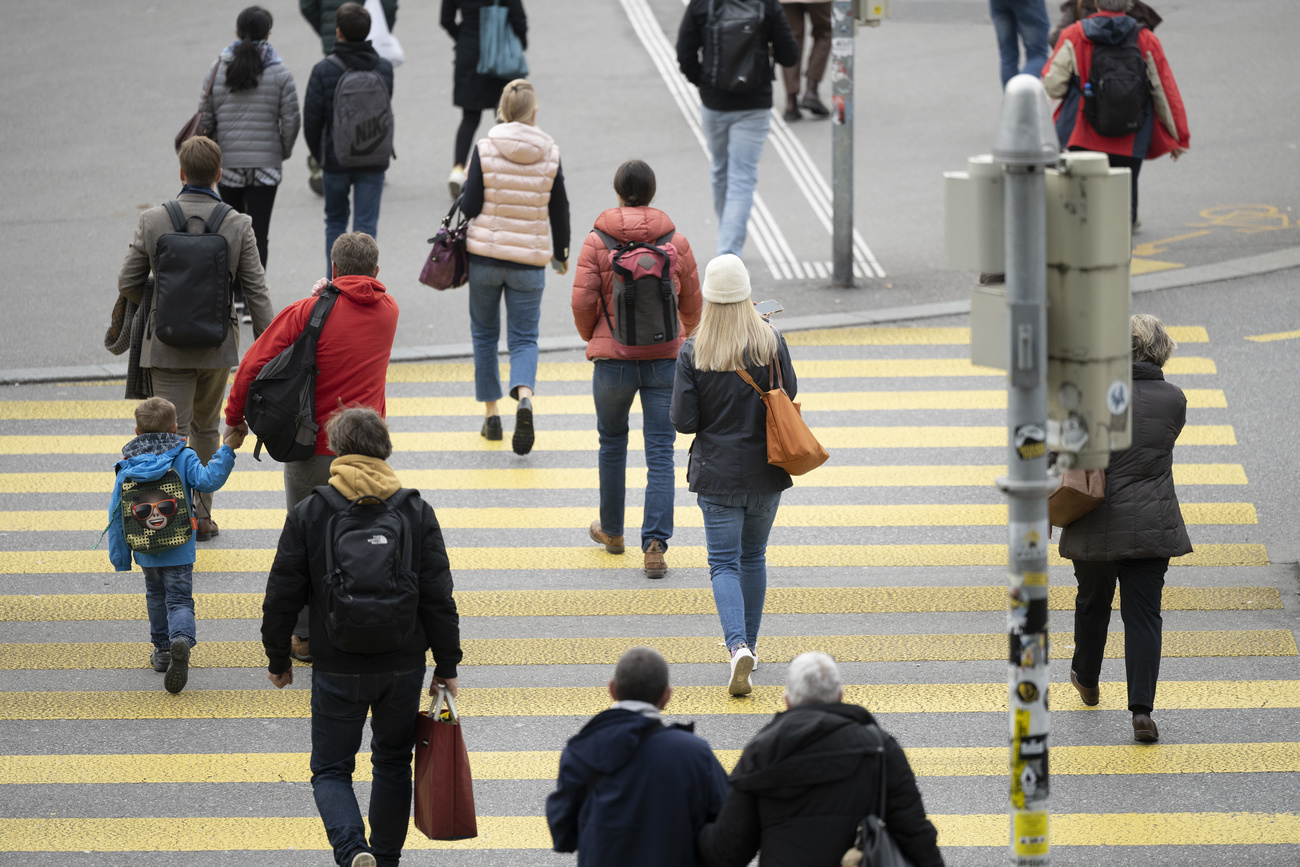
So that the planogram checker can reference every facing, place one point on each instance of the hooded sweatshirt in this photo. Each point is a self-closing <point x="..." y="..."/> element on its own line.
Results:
<point x="352" y="354"/>
<point x="145" y="459"/>
<point x="633" y="791"/>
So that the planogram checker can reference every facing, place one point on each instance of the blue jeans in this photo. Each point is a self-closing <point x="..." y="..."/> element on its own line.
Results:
<point x="366" y="189"/>
<point x="523" y="291"/>
<point x="735" y="144"/>
<point x="1028" y="19"/>
<point x="614" y="384"/>
<point x="169" y="596"/>
<point x="736" y="527"/>
<point x="338" y="712"/>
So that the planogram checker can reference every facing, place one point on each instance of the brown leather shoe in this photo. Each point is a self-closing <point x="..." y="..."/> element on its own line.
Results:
<point x="613" y="544"/>
<point x="1144" y="728"/>
<point x="655" y="567"/>
<point x="206" y="530"/>
<point x="1091" y="695"/>
<point x="300" y="649"/>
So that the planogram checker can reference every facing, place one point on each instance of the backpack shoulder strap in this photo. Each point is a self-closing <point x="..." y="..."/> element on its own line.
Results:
<point x="320" y="311"/>
<point x="216" y="217"/>
<point x="609" y="241"/>
<point x="336" y="500"/>
<point x="334" y="59"/>
<point x="395" y="502"/>
<point x="174" y="211"/>
<point x="660" y="241"/>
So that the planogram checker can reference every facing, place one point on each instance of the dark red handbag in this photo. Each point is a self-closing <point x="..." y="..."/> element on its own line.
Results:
<point x="444" y="789"/>
<point x="448" y="264"/>
<point x="194" y="126"/>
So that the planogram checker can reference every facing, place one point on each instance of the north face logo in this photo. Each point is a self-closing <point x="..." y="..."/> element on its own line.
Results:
<point x="373" y="128"/>
<point x="378" y="540"/>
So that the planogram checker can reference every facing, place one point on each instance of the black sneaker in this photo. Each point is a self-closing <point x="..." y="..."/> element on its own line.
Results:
<point x="160" y="659"/>
<point x="492" y="428"/>
<point x="523" y="439"/>
<point x="178" y="671"/>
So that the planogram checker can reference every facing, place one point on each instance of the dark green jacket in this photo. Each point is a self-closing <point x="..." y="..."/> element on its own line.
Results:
<point x="320" y="15"/>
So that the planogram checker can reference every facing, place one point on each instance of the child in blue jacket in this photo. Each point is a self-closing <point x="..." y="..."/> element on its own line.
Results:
<point x="160" y="518"/>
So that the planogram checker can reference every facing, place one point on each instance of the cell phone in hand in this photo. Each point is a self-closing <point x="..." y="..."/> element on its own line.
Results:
<point x="767" y="308"/>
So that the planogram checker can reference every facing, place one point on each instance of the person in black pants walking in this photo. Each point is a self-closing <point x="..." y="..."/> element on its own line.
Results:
<point x="1131" y="536"/>
<point x="474" y="93"/>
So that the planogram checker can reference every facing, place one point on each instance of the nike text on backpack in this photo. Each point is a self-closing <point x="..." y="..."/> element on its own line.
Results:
<point x="1117" y="92"/>
<point x="281" y="404"/>
<point x="644" y="296"/>
<point x="790" y="444"/>
<point x="191" y="299"/>
<point x="156" y="515"/>
<point x="371" y="591"/>
<point x="735" y="55"/>
<point x="362" y="126"/>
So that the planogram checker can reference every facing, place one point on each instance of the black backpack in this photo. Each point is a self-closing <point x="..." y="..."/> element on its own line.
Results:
<point x="362" y="126"/>
<point x="644" y="296"/>
<point x="281" y="405"/>
<point x="735" y="53"/>
<point x="191" y="296"/>
<point x="372" y="594"/>
<point x="1116" y="94"/>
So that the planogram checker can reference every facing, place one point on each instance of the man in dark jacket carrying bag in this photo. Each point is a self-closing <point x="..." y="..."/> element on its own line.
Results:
<point x="634" y="790"/>
<point x="806" y="781"/>
<point x="368" y="652"/>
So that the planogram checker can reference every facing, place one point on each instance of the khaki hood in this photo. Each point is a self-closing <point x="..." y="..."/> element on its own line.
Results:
<point x="360" y="476"/>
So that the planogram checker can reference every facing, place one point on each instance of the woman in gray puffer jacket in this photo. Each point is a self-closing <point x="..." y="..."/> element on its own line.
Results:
<point x="252" y="113"/>
<point x="1131" y="535"/>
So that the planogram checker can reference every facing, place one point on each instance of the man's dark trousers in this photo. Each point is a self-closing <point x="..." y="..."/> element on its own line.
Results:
<point x="1141" y="585"/>
<point x="338" y="712"/>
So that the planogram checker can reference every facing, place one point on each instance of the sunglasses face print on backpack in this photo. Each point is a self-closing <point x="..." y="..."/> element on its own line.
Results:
<point x="154" y="510"/>
<point x="156" y="514"/>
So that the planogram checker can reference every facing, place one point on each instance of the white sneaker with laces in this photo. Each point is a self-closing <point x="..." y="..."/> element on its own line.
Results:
<point x="742" y="663"/>
<point x="456" y="180"/>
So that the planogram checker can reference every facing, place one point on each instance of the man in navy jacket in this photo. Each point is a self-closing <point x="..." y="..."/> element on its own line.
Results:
<point x="634" y="790"/>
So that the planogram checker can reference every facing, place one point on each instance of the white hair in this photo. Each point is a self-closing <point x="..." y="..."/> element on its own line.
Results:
<point x="813" y="678"/>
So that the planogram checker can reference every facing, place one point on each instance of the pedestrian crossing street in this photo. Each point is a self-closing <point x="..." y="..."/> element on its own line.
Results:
<point x="890" y="557"/>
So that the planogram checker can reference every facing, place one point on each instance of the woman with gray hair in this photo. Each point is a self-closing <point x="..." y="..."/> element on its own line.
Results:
<point x="1131" y="535"/>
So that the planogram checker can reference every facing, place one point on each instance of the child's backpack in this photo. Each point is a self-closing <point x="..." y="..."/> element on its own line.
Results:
<point x="644" y="295"/>
<point x="371" y="591"/>
<point x="1116" y="94"/>
<point x="156" y="515"/>
<point x="735" y="54"/>
<point x="191" y="295"/>
<point x="362" y="126"/>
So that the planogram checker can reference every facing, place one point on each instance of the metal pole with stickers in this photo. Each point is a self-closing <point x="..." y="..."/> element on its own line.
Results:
<point x="1049" y="233"/>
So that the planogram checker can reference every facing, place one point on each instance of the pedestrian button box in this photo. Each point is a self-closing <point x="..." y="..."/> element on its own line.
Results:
<point x="973" y="216"/>
<point x="871" y="12"/>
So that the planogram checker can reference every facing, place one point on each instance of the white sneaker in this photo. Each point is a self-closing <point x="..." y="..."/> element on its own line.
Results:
<point x="742" y="663"/>
<point x="363" y="859"/>
<point x="456" y="180"/>
<point x="755" y="668"/>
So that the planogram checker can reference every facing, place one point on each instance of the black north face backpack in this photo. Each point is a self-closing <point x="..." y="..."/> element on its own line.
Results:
<point x="1119" y="87"/>
<point x="371" y="590"/>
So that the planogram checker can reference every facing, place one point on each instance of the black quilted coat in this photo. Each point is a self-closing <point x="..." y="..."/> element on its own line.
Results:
<point x="1139" y="517"/>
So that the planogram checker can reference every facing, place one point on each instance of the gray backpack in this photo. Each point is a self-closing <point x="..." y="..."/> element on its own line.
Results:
<point x="363" y="118"/>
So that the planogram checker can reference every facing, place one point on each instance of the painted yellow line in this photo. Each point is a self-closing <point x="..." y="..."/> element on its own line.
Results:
<point x="1276" y="335"/>
<point x="890" y="336"/>
<point x="865" y="437"/>
<point x="581" y="479"/>
<point x="1150" y="266"/>
<point x="170" y="768"/>
<point x="578" y="518"/>
<point x="682" y="557"/>
<point x="81" y="607"/>
<point x="592" y="651"/>
<point x="688" y="701"/>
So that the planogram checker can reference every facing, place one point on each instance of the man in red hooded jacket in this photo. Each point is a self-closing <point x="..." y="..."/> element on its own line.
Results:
<point x="1164" y="128"/>
<point x="351" y="355"/>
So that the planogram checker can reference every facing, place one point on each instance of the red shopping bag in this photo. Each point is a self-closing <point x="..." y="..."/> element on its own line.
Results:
<point x="444" y="789"/>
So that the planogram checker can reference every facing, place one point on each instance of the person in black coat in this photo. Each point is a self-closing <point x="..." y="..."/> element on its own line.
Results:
<point x="474" y="93"/>
<point x="345" y="685"/>
<point x="809" y="777"/>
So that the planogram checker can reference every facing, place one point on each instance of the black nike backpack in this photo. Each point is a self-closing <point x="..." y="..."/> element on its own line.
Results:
<point x="372" y="593"/>
<point x="191" y="296"/>
<point x="281" y="405"/>
<point x="362" y="125"/>
<point x="735" y="53"/>
<point x="1117" y="92"/>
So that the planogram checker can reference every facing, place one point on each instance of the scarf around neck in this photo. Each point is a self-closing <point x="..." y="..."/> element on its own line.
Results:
<point x="264" y="48"/>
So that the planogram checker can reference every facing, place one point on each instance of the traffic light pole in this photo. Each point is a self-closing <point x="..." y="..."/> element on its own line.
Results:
<point x="1023" y="148"/>
<point x="842" y="43"/>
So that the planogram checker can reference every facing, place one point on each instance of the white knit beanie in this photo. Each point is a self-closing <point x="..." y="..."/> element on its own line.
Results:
<point x="725" y="280"/>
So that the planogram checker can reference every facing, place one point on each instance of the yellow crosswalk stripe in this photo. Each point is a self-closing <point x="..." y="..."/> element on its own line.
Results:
<point x="875" y="437"/>
<point x="578" y="478"/>
<point x="172" y="768"/>
<point x="578" y="518"/>
<point x="687" y="701"/>
<point x="591" y="651"/>
<point x="682" y="557"/>
<point x="81" y="607"/>
<point x="876" y="335"/>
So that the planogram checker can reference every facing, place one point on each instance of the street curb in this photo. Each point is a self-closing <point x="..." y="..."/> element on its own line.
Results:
<point x="1247" y="266"/>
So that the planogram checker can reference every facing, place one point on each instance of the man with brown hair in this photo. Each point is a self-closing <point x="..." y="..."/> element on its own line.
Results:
<point x="194" y="377"/>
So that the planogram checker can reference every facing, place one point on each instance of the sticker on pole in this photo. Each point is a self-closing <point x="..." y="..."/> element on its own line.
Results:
<point x="1028" y="540"/>
<point x="1030" y="833"/>
<point x="1029" y="781"/>
<point x="1117" y="397"/>
<point x="1030" y="441"/>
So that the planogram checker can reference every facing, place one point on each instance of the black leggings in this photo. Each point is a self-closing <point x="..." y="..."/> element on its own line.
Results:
<point x="257" y="202"/>
<point x="465" y="135"/>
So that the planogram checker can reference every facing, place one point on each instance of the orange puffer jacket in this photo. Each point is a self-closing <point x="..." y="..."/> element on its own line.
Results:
<point x="594" y="278"/>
